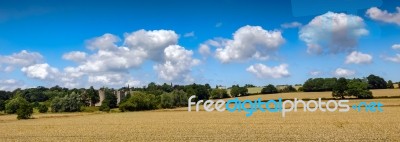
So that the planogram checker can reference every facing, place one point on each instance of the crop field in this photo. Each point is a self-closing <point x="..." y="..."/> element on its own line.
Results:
<point x="180" y="125"/>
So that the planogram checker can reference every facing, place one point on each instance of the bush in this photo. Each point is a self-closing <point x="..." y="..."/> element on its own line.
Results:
<point x="69" y="103"/>
<point x="20" y="106"/>
<point x="139" y="101"/>
<point x="24" y="111"/>
<point x="288" y="88"/>
<point x="105" y="106"/>
<point x="269" y="89"/>
<point x="43" y="108"/>
<point x="219" y="93"/>
<point x="167" y="100"/>
<point x="13" y="105"/>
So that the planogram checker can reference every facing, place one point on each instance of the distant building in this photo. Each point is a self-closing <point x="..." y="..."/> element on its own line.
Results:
<point x="120" y="94"/>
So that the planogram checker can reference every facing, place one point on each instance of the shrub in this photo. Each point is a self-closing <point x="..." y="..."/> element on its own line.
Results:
<point x="20" y="106"/>
<point x="13" y="105"/>
<point x="43" y="108"/>
<point x="167" y="100"/>
<point x="25" y="110"/>
<point x="219" y="93"/>
<point x="69" y="103"/>
<point x="105" y="106"/>
<point x="139" y="101"/>
<point x="269" y="89"/>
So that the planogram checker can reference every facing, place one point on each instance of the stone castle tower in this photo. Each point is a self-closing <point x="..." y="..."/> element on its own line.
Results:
<point x="120" y="94"/>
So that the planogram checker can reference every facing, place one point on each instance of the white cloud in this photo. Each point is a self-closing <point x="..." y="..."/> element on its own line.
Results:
<point x="21" y="59"/>
<point x="106" y="42"/>
<point x="250" y="42"/>
<point x="396" y="46"/>
<point x="11" y="84"/>
<point x="263" y="71"/>
<point x="41" y="71"/>
<point x="291" y="25"/>
<point x="204" y="50"/>
<point x="333" y="33"/>
<point x="151" y="43"/>
<point x="395" y="59"/>
<point x="190" y="34"/>
<point x="358" y="58"/>
<point x="341" y="72"/>
<point x="76" y="56"/>
<point x="177" y="65"/>
<point x="384" y="16"/>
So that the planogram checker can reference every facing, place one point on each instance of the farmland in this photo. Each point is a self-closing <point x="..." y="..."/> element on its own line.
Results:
<point x="180" y="125"/>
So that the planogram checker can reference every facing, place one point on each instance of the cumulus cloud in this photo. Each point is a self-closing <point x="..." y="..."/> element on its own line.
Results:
<point x="333" y="33"/>
<point x="263" y="71"/>
<point x="21" y="59"/>
<point x="291" y="25"/>
<point x="384" y="16"/>
<point x="358" y="58"/>
<point x="76" y="56"/>
<point x="11" y="84"/>
<point x="177" y="65"/>
<point x="204" y="50"/>
<point x="249" y="42"/>
<point x="341" y="72"/>
<point x="396" y="46"/>
<point x="113" y="58"/>
<point x="41" y="71"/>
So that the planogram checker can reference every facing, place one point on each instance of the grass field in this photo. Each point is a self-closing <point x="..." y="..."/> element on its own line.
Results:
<point x="180" y="125"/>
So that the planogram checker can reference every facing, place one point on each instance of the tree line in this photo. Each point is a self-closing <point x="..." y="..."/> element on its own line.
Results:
<point x="155" y="96"/>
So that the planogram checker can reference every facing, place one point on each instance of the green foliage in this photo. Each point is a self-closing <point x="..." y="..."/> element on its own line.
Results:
<point x="339" y="89"/>
<point x="236" y="91"/>
<point x="376" y="82"/>
<point x="43" y="108"/>
<point x="358" y="88"/>
<point x="202" y="92"/>
<point x="288" y="88"/>
<point x="139" y="101"/>
<point x="167" y="100"/>
<point x="4" y="96"/>
<point x="269" y="89"/>
<point x="69" y="103"/>
<point x="105" y="106"/>
<point x="24" y="110"/>
<point x="219" y="93"/>
<point x="89" y="109"/>
<point x="13" y="105"/>
<point x="110" y="99"/>
<point x="93" y="95"/>
<point x="20" y="106"/>
<point x="35" y="94"/>
<point x="319" y="84"/>
<point x="390" y="84"/>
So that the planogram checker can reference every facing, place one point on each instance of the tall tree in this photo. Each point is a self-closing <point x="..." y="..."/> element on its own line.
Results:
<point x="339" y="90"/>
<point x="93" y="95"/>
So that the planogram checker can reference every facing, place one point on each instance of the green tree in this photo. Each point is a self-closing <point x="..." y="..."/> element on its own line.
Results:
<point x="376" y="82"/>
<point x="139" y="101"/>
<point x="20" y="106"/>
<point x="235" y="91"/>
<point x="269" y="89"/>
<point x="69" y="103"/>
<point x="93" y="95"/>
<point x="167" y="100"/>
<point x="359" y="89"/>
<point x="390" y="84"/>
<point x="219" y="93"/>
<point x="339" y="90"/>
<point x="43" y="108"/>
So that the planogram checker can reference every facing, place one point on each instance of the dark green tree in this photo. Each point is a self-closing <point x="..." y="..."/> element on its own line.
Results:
<point x="390" y="84"/>
<point x="93" y="95"/>
<point x="269" y="89"/>
<point x="339" y="90"/>
<point x="376" y="82"/>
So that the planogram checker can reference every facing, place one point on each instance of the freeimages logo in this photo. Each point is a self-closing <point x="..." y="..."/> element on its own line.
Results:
<point x="280" y="106"/>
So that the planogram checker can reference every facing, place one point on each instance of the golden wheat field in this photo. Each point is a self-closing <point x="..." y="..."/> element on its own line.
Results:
<point x="181" y="125"/>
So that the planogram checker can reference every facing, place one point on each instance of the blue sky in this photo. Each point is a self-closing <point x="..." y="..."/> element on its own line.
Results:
<point x="114" y="43"/>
